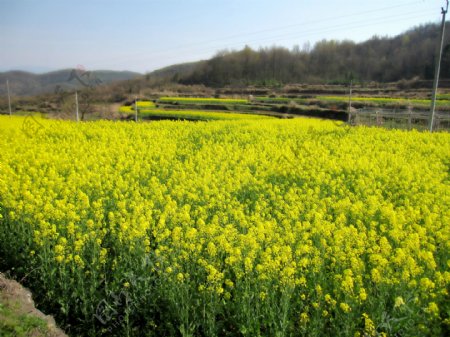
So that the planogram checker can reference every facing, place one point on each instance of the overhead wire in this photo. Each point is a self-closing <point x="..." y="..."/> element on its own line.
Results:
<point x="189" y="49"/>
<point x="289" y="36"/>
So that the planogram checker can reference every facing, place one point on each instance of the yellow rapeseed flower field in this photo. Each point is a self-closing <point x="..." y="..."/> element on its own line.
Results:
<point x="233" y="228"/>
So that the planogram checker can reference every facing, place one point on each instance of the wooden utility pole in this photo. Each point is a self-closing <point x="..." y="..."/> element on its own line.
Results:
<point x="438" y="68"/>
<point x="9" y="97"/>
<point x="76" y="104"/>
<point x="135" y="109"/>
<point x="350" y="102"/>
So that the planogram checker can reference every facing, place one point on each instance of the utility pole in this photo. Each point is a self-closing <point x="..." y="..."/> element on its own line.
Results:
<point x="135" y="109"/>
<point x="438" y="68"/>
<point x="350" y="101"/>
<point x="76" y="104"/>
<point x="9" y="98"/>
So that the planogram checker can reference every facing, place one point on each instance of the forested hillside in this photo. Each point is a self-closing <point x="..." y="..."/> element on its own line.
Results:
<point x="382" y="59"/>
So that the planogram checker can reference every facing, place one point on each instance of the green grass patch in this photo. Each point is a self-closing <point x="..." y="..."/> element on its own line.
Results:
<point x="443" y="97"/>
<point x="383" y="100"/>
<point x="16" y="324"/>
<point x="272" y="99"/>
<point x="443" y="100"/>
<point x="198" y="115"/>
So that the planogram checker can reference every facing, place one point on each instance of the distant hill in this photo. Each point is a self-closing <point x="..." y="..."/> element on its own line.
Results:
<point x="25" y="83"/>
<point x="174" y="72"/>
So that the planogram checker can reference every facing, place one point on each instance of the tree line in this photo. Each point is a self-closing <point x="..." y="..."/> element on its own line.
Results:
<point x="381" y="59"/>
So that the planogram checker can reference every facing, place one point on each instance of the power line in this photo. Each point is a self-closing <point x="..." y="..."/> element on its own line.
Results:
<point x="307" y="33"/>
<point x="333" y="18"/>
<point x="353" y="25"/>
<point x="230" y="37"/>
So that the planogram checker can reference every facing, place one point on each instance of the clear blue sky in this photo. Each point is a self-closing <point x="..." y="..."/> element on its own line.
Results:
<point x="143" y="35"/>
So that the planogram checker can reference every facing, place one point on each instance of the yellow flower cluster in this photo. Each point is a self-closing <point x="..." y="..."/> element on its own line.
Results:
<point x="202" y="100"/>
<point x="145" y="104"/>
<point x="130" y="109"/>
<point x="278" y="225"/>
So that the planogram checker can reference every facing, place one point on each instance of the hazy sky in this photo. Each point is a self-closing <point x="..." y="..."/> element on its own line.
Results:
<point x="143" y="35"/>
